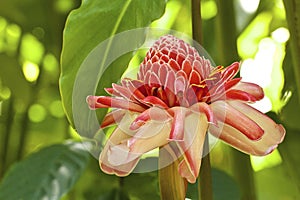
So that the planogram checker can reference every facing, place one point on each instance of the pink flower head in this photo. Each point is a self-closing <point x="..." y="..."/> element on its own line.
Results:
<point x="178" y="96"/>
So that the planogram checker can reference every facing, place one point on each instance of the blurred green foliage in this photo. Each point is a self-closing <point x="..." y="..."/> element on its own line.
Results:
<point x="34" y="127"/>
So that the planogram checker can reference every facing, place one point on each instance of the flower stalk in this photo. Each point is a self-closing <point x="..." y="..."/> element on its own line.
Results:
<point x="226" y="39"/>
<point x="171" y="184"/>
<point x="205" y="190"/>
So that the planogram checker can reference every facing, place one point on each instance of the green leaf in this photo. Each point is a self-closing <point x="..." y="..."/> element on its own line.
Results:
<point x="290" y="150"/>
<point x="46" y="174"/>
<point x="224" y="187"/>
<point x="142" y="186"/>
<point x="93" y="23"/>
<point x="292" y="8"/>
<point x="290" y="112"/>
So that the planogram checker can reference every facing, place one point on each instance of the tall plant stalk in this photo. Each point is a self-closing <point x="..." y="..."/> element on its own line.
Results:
<point x="172" y="186"/>
<point x="226" y="40"/>
<point x="205" y="190"/>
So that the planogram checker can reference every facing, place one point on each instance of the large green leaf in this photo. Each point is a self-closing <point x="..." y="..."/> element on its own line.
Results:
<point x="92" y="23"/>
<point x="292" y="8"/>
<point x="47" y="174"/>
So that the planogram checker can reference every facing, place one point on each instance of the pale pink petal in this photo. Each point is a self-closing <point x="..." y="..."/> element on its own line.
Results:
<point x="112" y="117"/>
<point x="273" y="133"/>
<point x="177" y="131"/>
<point x="232" y="116"/>
<point x="154" y="101"/>
<point x="267" y="124"/>
<point x="239" y="95"/>
<point x="111" y="102"/>
<point x="251" y="88"/>
<point x="230" y="71"/>
<point x="123" y="91"/>
<point x="204" y="108"/>
<point x="153" y="113"/>
<point x="93" y="103"/>
<point x="136" y="92"/>
<point x="194" y="136"/>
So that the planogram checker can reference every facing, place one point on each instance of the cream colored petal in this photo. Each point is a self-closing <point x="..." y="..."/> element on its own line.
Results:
<point x="195" y="131"/>
<point x="117" y="137"/>
<point x="273" y="133"/>
<point x="122" y="152"/>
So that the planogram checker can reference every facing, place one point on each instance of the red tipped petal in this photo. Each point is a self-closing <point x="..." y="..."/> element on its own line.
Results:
<point x="230" y="71"/>
<point x="154" y="101"/>
<point x="276" y="131"/>
<point x="236" y="139"/>
<point x="240" y="95"/>
<point x="109" y="91"/>
<point x="93" y="103"/>
<point x="239" y="120"/>
<point x="112" y="117"/>
<point x="205" y="109"/>
<point x="153" y="113"/>
<point x="231" y="83"/>
<point x="119" y="103"/>
<point x="251" y="88"/>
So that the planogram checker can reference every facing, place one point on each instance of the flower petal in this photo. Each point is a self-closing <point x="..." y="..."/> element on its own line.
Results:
<point x="154" y="101"/>
<point x="239" y="120"/>
<point x="177" y="131"/>
<point x="204" y="108"/>
<point x="112" y="117"/>
<point x="153" y="113"/>
<point x="240" y="95"/>
<point x="251" y="88"/>
<point x="273" y="133"/>
<point x="149" y="137"/>
<point x="111" y="102"/>
<point x="117" y="137"/>
<point x="194" y="136"/>
<point x="123" y="91"/>
<point x="230" y="71"/>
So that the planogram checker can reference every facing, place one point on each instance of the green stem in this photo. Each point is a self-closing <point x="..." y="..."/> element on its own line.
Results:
<point x="243" y="174"/>
<point x="196" y="21"/>
<point x="226" y="39"/>
<point x="204" y="180"/>
<point x="172" y="186"/>
<point x="226" y="32"/>
<point x="8" y="120"/>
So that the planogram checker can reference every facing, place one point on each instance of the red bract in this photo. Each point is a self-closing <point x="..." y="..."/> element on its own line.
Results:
<point x="178" y="96"/>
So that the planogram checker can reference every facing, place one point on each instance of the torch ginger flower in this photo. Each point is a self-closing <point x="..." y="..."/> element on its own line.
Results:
<point x="178" y="96"/>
